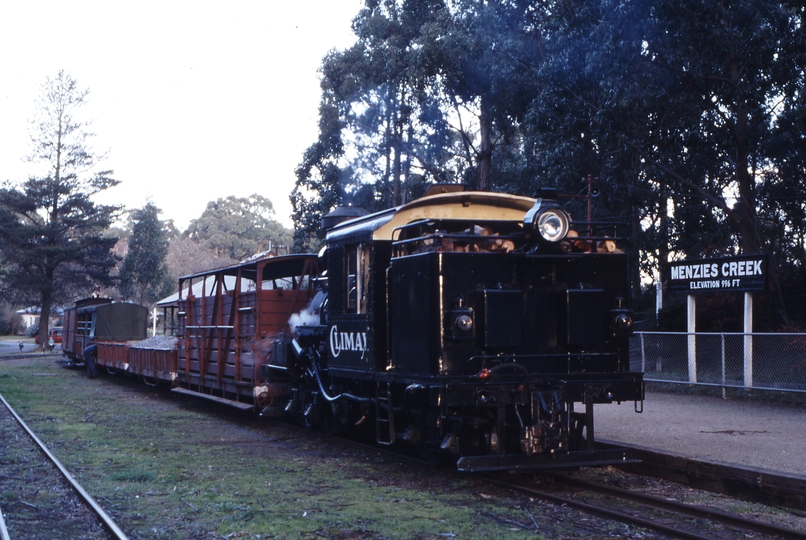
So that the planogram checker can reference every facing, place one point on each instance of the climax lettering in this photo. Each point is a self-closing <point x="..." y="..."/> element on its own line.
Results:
<point x="347" y="341"/>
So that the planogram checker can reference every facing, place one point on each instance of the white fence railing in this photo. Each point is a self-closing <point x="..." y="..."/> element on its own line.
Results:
<point x="762" y="361"/>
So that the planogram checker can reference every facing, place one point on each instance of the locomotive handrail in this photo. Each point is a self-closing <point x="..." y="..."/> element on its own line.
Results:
<point x="587" y="228"/>
<point x="474" y="243"/>
<point x="458" y="236"/>
<point x="491" y="236"/>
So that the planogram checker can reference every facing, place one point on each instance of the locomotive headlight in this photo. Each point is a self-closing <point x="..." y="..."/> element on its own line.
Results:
<point x="464" y="323"/>
<point x="552" y="224"/>
<point x="621" y="322"/>
<point x="460" y="321"/>
<point x="549" y="220"/>
<point x="624" y="321"/>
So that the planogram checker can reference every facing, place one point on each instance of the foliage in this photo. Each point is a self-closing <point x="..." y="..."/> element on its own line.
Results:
<point x="688" y="116"/>
<point x="673" y="107"/>
<point x="10" y="322"/>
<point x="238" y="228"/>
<point x="144" y="276"/>
<point x="318" y="187"/>
<point x="52" y="234"/>
<point x="383" y="134"/>
<point x="186" y="257"/>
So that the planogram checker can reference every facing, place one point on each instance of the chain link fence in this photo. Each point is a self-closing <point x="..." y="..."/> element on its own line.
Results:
<point x="762" y="361"/>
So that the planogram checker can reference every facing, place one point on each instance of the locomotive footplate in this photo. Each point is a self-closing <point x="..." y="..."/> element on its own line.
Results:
<point x="520" y="462"/>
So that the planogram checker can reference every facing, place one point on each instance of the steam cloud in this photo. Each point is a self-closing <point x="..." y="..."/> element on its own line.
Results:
<point x="304" y="318"/>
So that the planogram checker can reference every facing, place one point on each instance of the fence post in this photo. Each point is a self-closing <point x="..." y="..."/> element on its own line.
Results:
<point x="643" y="354"/>
<point x="748" y="339"/>
<point x="724" y="392"/>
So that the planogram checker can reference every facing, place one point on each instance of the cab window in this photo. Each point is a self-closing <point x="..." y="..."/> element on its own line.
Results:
<point x="356" y="278"/>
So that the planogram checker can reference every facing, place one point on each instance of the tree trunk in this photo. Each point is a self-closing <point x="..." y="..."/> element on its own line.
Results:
<point x="44" y="319"/>
<point x="744" y="214"/>
<point x="485" y="154"/>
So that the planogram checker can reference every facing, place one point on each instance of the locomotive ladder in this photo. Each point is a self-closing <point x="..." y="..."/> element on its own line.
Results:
<point x="384" y="414"/>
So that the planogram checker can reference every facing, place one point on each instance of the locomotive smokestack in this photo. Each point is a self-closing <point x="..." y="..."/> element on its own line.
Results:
<point x="340" y="215"/>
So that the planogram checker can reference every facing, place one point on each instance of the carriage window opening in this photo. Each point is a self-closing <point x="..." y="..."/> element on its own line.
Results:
<point x="86" y="323"/>
<point x="284" y="284"/>
<point x="83" y="326"/>
<point x="304" y="282"/>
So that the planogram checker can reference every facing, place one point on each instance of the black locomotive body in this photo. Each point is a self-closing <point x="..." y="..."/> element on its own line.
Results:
<point x="476" y="327"/>
<point x="473" y="326"/>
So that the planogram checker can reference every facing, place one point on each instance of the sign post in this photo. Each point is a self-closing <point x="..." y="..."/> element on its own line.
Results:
<point x="742" y="273"/>
<point x="691" y="329"/>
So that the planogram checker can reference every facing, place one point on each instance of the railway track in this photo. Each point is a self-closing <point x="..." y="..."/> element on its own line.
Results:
<point x="733" y="521"/>
<point x="660" y="514"/>
<point x="40" y="498"/>
<point x="663" y="515"/>
<point x="767" y="487"/>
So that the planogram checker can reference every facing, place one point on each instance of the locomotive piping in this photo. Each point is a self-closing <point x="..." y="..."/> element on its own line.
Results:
<point x="344" y="395"/>
<point x="500" y="367"/>
<point x="318" y="378"/>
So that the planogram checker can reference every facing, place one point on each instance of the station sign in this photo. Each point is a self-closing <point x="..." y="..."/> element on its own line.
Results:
<point x="739" y="273"/>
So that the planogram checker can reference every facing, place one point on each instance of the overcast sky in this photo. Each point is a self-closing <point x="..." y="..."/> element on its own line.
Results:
<point x="191" y="100"/>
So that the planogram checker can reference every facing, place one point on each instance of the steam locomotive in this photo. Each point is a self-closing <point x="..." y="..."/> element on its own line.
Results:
<point x="475" y="327"/>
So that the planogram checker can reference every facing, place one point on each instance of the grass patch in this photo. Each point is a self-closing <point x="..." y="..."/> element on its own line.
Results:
<point x="135" y="475"/>
<point x="170" y="467"/>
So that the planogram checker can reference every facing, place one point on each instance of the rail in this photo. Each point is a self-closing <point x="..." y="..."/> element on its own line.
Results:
<point x="107" y="521"/>
<point x="3" y="530"/>
<point x="763" y="361"/>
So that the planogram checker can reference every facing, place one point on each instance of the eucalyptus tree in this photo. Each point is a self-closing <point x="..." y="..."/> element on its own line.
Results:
<point x="239" y="227"/>
<point x="383" y="131"/>
<point x="686" y="92"/>
<point x="52" y="234"/>
<point x="673" y="105"/>
<point x="487" y="55"/>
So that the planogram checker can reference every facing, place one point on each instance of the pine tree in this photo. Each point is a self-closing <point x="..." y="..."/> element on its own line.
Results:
<point x="144" y="276"/>
<point x="52" y="235"/>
